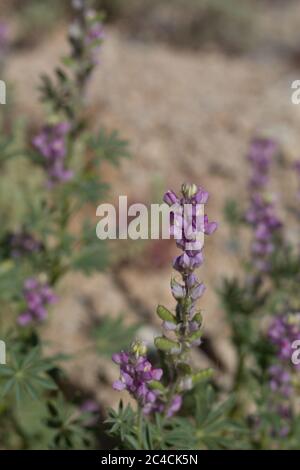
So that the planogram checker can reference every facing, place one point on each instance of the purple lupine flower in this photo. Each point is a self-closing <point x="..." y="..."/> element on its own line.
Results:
<point x="37" y="297"/>
<point x="95" y="35"/>
<point x="280" y="380"/>
<point x="51" y="144"/>
<point x="260" y="155"/>
<point x="261" y="213"/>
<point x="136" y="374"/>
<point x="182" y="330"/>
<point x="192" y="258"/>
<point x="174" y="406"/>
<point x="280" y="383"/>
<point x="96" y="31"/>
<point x="86" y="34"/>
<point x="283" y="331"/>
<point x="187" y="222"/>
<point x="23" y="243"/>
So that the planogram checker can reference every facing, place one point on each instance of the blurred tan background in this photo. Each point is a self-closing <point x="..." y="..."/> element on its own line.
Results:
<point x="188" y="83"/>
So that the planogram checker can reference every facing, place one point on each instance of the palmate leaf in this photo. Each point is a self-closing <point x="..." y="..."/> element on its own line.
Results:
<point x="92" y="254"/>
<point x="109" y="146"/>
<point x="91" y="258"/>
<point x="285" y="264"/>
<point x="26" y="375"/>
<point x="112" y="335"/>
<point x="8" y="145"/>
<point x="181" y="435"/>
<point x="57" y="92"/>
<point x="240" y="299"/>
<point x="121" y="422"/>
<point x="11" y="281"/>
<point x="232" y="213"/>
<point x="69" y="425"/>
<point x="214" y="427"/>
<point x="87" y="190"/>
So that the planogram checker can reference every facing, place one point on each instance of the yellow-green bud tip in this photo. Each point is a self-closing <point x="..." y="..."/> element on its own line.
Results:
<point x="139" y="348"/>
<point x="189" y="190"/>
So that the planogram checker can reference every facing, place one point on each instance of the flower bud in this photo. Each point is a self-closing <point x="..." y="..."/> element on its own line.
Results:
<point x="198" y="318"/>
<point x="169" y="326"/>
<point x="195" y="336"/>
<point x="191" y="280"/>
<point x="197" y="291"/>
<point x="178" y="291"/>
<point x="189" y="190"/>
<point x="139" y="348"/>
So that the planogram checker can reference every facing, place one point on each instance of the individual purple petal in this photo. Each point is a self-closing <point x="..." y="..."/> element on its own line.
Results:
<point x="197" y="291"/>
<point x="178" y="290"/>
<point x="24" y="319"/>
<point x="157" y="374"/>
<point x="175" y="406"/>
<point x="201" y="196"/>
<point x="119" y="385"/>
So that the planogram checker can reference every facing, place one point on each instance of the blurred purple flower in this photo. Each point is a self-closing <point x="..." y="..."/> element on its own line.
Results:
<point x="37" y="297"/>
<point x="174" y="406"/>
<point x="261" y="213"/>
<point x="23" y="243"/>
<point x="283" y="331"/>
<point x="51" y="144"/>
<point x="280" y="380"/>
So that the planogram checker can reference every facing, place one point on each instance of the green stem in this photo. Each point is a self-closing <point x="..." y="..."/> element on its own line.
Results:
<point x="140" y="428"/>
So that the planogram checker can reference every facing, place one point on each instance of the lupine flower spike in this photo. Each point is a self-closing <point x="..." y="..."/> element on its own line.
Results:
<point x="261" y="214"/>
<point x="181" y="330"/>
<point x="283" y="332"/>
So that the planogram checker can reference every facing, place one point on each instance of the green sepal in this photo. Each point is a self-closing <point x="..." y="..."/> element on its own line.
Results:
<point x="202" y="375"/>
<point x="165" y="315"/>
<point x="156" y="385"/>
<point x="198" y="318"/>
<point x="167" y="345"/>
<point x="195" y="335"/>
